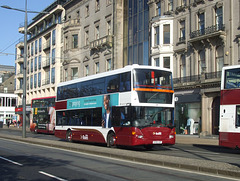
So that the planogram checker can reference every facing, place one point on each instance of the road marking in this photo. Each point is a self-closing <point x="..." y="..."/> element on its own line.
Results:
<point x="52" y="176"/>
<point x="16" y="163"/>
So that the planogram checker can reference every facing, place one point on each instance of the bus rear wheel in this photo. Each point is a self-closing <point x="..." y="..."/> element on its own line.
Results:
<point x="111" y="140"/>
<point x="69" y="136"/>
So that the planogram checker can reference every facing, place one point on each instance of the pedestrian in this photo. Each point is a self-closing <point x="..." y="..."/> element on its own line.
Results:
<point x="8" y="124"/>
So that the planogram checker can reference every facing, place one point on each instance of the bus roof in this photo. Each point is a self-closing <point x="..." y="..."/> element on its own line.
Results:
<point x="112" y="72"/>
<point x="231" y="67"/>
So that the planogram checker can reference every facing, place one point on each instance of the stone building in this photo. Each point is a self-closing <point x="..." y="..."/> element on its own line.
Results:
<point x="92" y="36"/>
<point x="193" y="38"/>
<point x="204" y="38"/>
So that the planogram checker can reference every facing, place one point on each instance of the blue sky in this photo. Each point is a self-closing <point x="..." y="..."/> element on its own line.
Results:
<point x="10" y="21"/>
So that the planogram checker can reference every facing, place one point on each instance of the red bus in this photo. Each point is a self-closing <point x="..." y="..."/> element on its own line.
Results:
<point x="43" y="115"/>
<point x="229" y="126"/>
<point x="129" y="106"/>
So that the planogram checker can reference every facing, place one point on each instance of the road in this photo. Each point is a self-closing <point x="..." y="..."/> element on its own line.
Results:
<point x="196" y="151"/>
<point x="22" y="161"/>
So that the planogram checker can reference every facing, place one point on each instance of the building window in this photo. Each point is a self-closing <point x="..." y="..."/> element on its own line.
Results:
<point x="35" y="64"/>
<point x="183" y="2"/>
<point x="166" y="62"/>
<point x="219" y="18"/>
<point x="109" y="28"/>
<point x="53" y="75"/>
<point x="170" y="5"/>
<point x="183" y="66"/>
<point x="97" y="70"/>
<point x="40" y="44"/>
<point x="158" y="10"/>
<point x="32" y="49"/>
<point x="97" y="5"/>
<point x="32" y="65"/>
<point x="74" y="73"/>
<point x="156" y="36"/>
<point x="109" y="64"/>
<point x="53" y="56"/>
<point x="86" y="37"/>
<point x="86" y="70"/>
<point x="75" y="41"/>
<point x="166" y="34"/>
<point x="97" y="32"/>
<point x="53" y="37"/>
<point x="201" y="23"/>
<point x="182" y="31"/>
<point x="39" y="62"/>
<point x="156" y="62"/>
<point x="35" y="80"/>
<point x="36" y="48"/>
<point x="86" y="10"/>
<point x="39" y="79"/>
<point x="31" y="82"/>
<point x="219" y="58"/>
<point x="202" y="61"/>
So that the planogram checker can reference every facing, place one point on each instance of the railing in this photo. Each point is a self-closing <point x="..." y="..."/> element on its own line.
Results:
<point x="71" y="22"/>
<point x="46" y="81"/>
<point x="99" y="43"/>
<point x="208" y="30"/>
<point x="46" y="63"/>
<point x="195" y="78"/>
<point x="46" y="45"/>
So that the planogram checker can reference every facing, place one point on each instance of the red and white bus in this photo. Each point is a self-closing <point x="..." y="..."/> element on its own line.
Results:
<point x="43" y="115"/>
<point x="229" y="126"/>
<point x="129" y="106"/>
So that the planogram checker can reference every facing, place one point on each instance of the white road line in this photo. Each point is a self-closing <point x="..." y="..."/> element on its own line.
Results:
<point x="52" y="176"/>
<point x="16" y="163"/>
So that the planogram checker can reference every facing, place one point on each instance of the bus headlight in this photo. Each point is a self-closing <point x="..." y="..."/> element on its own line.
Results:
<point x="140" y="136"/>
<point x="171" y="136"/>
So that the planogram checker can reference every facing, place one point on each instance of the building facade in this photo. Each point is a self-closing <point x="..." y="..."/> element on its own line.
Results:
<point x="193" y="38"/>
<point x="8" y="100"/>
<point x="44" y="56"/>
<point x="92" y="36"/>
<point x="205" y="38"/>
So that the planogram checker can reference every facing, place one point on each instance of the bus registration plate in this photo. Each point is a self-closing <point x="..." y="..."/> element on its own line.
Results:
<point x="157" y="142"/>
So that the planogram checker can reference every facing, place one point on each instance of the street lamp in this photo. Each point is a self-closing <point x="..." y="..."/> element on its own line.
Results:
<point x="25" y="62"/>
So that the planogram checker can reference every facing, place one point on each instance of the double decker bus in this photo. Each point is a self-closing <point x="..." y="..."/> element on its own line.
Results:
<point x="229" y="126"/>
<point x="130" y="106"/>
<point x="43" y="115"/>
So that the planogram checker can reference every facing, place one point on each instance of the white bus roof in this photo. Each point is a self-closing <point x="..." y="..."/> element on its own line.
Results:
<point x="231" y="67"/>
<point x="112" y="72"/>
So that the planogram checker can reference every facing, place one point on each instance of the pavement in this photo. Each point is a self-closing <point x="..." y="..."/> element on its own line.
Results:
<point x="205" y="166"/>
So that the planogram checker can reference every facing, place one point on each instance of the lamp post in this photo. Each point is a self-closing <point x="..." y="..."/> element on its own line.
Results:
<point x="25" y="62"/>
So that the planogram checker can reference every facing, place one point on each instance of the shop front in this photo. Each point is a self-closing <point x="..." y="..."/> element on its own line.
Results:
<point x="188" y="111"/>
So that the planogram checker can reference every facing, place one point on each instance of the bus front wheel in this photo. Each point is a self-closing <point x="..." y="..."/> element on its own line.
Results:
<point x="111" y="140"/>
<point x="69" y="136"/>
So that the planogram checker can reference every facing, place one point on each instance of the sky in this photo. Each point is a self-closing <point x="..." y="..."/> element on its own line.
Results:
<point x="10" y="22"/>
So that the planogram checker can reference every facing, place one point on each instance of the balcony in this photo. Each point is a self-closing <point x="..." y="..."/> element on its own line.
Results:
<point x="46" y="63"/>
<point x="71" y="23"/>
<point x="46" y="81"/>
<point x="19" y="74"/>
<point x="101" y="43"/>
<point x="198" y="78"/>
<point x="19" y="89"/>
<point x="210" y="31"/>
<point x="47" y="45"/>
